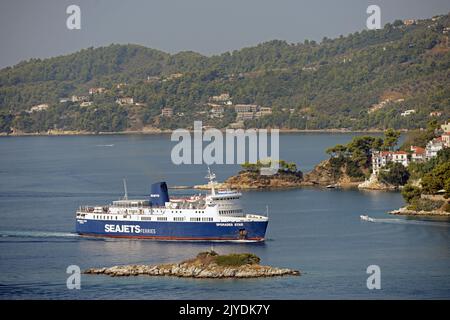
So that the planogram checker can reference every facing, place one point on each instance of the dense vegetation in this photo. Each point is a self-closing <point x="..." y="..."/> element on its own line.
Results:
<point x="355" y="158"/>
<point x="394" y="174"/>
<point x="309" y="85"/>
<point x="434" y="178"/>
<point x="283" y="166"/>
<point x="227" y="260"/>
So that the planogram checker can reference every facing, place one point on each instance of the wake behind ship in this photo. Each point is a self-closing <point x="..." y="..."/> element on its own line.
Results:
<point x="217" y="216"/>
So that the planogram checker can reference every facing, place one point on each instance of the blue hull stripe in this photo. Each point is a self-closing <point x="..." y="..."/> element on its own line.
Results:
<point x="221" y="231"/>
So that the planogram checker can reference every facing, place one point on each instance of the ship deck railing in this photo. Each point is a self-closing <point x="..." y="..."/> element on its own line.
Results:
<point x="255" y="216"/>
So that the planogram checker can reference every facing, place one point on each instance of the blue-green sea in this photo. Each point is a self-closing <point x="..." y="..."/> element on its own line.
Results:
<point x="44" y="179"/>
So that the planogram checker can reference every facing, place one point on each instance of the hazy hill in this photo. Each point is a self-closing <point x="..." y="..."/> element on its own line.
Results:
<point x="332" y="84"/>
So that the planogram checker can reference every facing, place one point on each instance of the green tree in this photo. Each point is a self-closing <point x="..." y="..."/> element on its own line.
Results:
<point x="437" y="179"/>
<point x="395" y="174"/>
<point x="361" y="148"/>
<point x="390" y="139"/>
<point x="337" y="151"/>
<point x="410" y="192"/>
<point x="447" y="188"/>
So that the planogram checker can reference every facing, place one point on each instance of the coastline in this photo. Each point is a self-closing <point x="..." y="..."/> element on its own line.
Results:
<point x="169" y="131"/>
<point x="404" y="211"/>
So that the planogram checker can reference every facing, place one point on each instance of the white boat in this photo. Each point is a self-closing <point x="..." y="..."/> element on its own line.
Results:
<point x="366" y="218"/>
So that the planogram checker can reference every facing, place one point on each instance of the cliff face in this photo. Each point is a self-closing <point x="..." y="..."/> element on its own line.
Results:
<point x="325" y="174"/>
<point x="253" y="180"/>
<point x="322" y="174"/>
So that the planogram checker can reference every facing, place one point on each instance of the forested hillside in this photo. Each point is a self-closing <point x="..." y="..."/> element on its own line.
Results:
<point x="361" y="81"/>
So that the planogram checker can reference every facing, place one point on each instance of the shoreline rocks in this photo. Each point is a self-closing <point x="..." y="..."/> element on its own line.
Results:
<point x="254" y="180"/>
<point x="191" y="271"/>
<point x="407" y="212"/>
<point x="321" y="176"/>
<point x="374" y="184"/>
<point x="204" y="266"/>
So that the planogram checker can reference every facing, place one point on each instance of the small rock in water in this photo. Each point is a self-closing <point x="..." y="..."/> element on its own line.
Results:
<point x="205" y="265"/>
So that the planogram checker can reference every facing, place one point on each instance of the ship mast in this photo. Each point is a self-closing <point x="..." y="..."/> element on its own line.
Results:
<point x="211" y="177"/>
<point x="125" y="196"/>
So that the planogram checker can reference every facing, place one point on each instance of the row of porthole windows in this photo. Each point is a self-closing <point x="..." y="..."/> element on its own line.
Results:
<point x="105" y="217"/>
<point x="228" y="198"/>
<point x="230" y="211"/>
<point x="196" y="219"/>
<point x="179" y="211"/>
<point x="158" y="218"/>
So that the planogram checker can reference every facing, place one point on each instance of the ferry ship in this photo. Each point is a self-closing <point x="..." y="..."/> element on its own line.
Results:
<point x="217" y="216"/>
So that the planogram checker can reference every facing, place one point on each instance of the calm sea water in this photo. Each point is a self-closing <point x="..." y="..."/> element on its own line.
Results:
<point x="44" y="179"/>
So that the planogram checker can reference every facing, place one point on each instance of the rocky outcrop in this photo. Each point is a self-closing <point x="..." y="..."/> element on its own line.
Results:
<point x="254" y="180"/>
<point x="325" y="174"/>
<point x="251" y="180"/>
<point x="322" y="174"/>
<point x="407" y="212"/>
<point x="201" y="267"/>
<point x="374" y="184"/>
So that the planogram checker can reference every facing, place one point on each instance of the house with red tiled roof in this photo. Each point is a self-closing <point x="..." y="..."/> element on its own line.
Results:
<point x="400" y="157"/>
<point x="381" y="158"/>
<point x="418" y="154"/>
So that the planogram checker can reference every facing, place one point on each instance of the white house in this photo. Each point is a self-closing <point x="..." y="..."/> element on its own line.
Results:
<point x="79" y="98"/>
<point x="125" y="100"/>
<point x="446" y="139"/>
<point x="408" y="112"/>
<point x="39" y="107"/>
<point x="381" y="158"/>
<point x="96" y="90"/>
<point x="400" y="157"/>
<point x="86" y="103"/>
<point x="217" y="110"/>
<point x="224" y="97"/>
<point x="433" y="147"/>
<point x="246" y="108"/>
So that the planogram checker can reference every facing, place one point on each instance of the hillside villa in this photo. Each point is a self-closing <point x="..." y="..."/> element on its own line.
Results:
<point x="418" y="154"/>
<point x="381" y="158"/>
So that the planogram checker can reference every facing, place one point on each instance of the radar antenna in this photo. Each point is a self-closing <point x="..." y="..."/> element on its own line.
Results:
<point x="211" y="177"/>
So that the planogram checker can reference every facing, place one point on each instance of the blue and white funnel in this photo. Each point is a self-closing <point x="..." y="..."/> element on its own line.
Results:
<point x="159" y="194"/>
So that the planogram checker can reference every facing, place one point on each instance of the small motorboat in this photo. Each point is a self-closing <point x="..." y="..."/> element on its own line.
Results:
<point x="366" y="218"/>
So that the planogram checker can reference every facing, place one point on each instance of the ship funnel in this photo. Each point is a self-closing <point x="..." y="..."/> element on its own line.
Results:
<point x="159" y="194"/>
